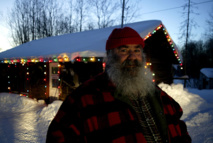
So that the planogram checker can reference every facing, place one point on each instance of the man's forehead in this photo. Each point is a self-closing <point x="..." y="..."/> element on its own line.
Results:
<point x="130" y="45"/>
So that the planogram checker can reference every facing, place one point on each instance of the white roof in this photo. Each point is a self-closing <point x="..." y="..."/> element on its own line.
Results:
<point x="208" y="72"/>
<point x="84" y="44"/>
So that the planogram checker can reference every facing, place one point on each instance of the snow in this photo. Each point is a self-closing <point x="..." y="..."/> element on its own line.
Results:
<point x="208" y="72"/>
<point x="92" y="43"/>
<point x="26" y="120"/>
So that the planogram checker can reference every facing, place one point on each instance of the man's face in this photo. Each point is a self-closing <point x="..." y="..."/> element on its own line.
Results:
<point x="129" y="52"/>
<point x="125" y="67"/>
<point x="129" y="57"/>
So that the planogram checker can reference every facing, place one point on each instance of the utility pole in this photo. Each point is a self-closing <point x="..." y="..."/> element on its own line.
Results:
<point x="122" y="17"/>
<point x="187" y="35"/>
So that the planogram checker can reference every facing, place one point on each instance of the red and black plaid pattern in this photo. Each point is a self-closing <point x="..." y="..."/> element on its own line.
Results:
<point x="92" y="114"/>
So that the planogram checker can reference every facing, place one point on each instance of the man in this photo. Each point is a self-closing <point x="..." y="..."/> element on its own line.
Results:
<point x="121" y="105"/>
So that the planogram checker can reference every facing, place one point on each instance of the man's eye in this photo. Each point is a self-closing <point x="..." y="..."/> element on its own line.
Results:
<point x="123" y="50"/>
<point x="138" y="50"/>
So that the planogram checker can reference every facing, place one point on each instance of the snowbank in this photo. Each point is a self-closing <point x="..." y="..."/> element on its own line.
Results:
<point x="49" y="112"/>
<point x="14" y="102"/>
<point x="189" y="102"/>
<point x="25" y="120"/>
<point x="197" y="110"/>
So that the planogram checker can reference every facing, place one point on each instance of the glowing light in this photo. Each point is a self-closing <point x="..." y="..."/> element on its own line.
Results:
<point x="148" y="64"/>
<point x="78" y="59"/>
<point x="92" y="59"/>
<point x="66" y="59"/>
<point x="41" y="60"/>
<point x="84" y="59"/>
<point x="154" y="32"/>
<point x="104" y="65"/>
<point x="60" y="60"/>
<point x="55" y="60"/>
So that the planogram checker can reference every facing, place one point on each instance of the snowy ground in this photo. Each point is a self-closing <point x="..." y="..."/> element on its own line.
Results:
<point x="23" y="120"/>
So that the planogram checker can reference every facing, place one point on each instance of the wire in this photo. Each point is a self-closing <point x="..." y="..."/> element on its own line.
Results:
<point x="176" y="7"/>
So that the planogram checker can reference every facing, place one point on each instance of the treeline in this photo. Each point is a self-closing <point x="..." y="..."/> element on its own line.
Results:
<point x="198" y="55"/>
<point x="34" y="19"/>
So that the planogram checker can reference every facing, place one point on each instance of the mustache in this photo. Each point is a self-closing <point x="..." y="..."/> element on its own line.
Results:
<point x="134" y="63"/>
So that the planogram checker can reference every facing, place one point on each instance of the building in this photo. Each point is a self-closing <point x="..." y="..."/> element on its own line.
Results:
<point x="52" y="67"/>
<point x="206" y="78"/>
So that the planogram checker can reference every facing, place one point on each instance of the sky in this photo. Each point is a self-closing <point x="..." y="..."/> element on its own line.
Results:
<point x="168" y="11"/>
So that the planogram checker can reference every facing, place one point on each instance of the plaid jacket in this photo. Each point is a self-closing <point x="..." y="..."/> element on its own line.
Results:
<point x="92" y="114"/>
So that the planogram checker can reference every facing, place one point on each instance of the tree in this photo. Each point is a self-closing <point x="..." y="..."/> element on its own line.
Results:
<point x="104" y="11"/>
<point x="186" y="28"/>
<point x="209" y="52"/>
<point x="196" y="58"/>
<point x="19" y="23"/>
<point x="34" y="19"/>
<point x="80" y="13"/>
<point x="209" y="31"/>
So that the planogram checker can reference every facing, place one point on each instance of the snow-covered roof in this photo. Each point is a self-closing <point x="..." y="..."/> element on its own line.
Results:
<point x="208" y="72"/>
<point x="84" y="44"/>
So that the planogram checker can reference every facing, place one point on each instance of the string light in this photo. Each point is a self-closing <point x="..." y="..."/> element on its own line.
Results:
<point x="45" y="77"/>
<point x="23" y="61"/>
<point x="92" y="59"/>
<point x="50" y="60"/>
<point x="168" y="39"/>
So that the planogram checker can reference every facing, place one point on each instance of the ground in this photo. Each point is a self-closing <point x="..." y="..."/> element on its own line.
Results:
<point x="26" y="120"/>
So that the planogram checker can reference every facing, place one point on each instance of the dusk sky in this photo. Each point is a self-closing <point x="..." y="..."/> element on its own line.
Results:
<point x="168" y="11"/>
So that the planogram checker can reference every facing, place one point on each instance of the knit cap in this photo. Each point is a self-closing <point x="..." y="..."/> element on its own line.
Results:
<point x="123" y="36"/>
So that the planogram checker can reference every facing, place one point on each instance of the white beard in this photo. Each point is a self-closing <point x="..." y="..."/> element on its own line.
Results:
<point x="132" y="82"/>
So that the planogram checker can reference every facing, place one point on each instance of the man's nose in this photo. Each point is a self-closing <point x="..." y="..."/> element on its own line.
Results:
<point x="132" y="55"/>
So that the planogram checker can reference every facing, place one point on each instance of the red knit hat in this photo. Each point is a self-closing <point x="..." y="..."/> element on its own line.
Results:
<point x="123" y="36"/>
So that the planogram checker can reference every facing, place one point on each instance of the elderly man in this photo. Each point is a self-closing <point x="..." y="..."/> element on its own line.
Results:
<point x="121" y="105"/>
